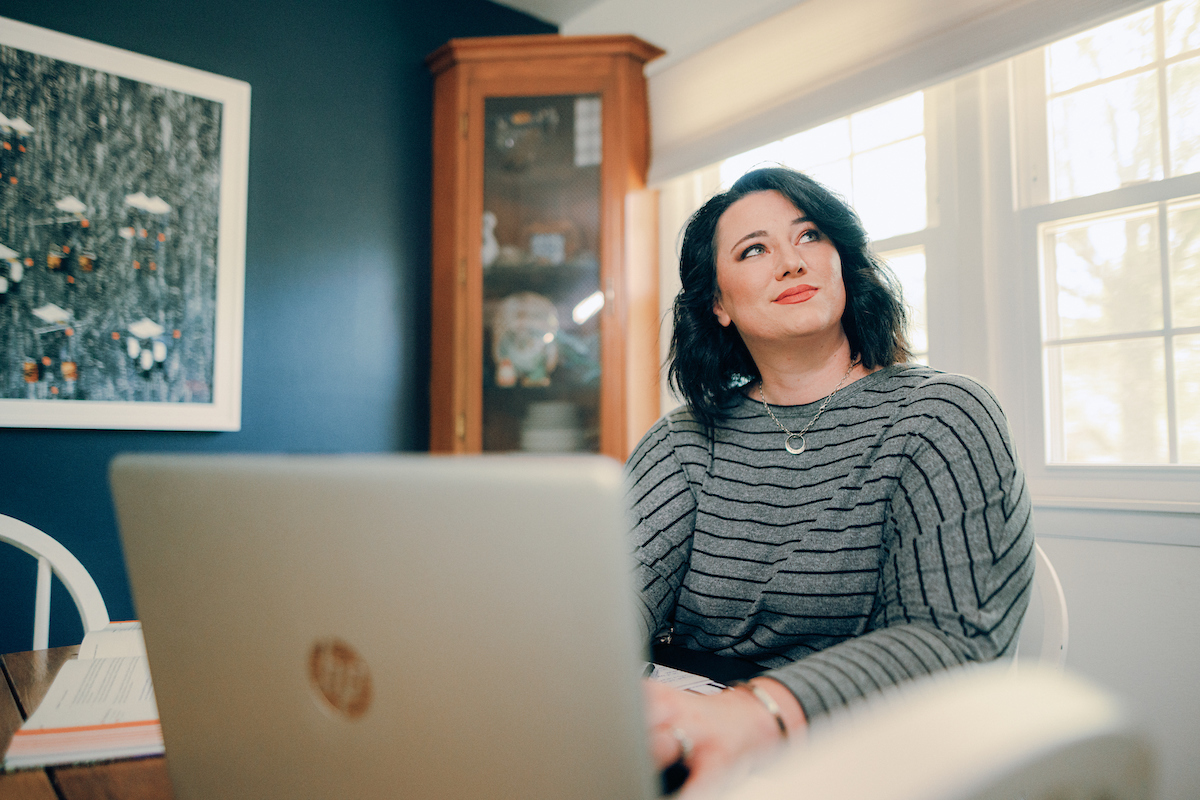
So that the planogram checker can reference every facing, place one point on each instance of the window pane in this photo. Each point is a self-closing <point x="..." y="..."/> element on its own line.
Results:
<point x="1183" y="26"/>
<point x="1183" y="93"/>
<point x="1104" y="276"/>
<point x="1113" y="401"/>
<point x="909" y="266"/>
<point x="1105" y="137"/>
<point x="1111" y="49"/>
<point x="885" y="184"/>
<point x="889" y="122"/>
<point x="821" y="145"/>
<point x="1187" y="397"/>
<point x="769" y="155"/>
<point x="889" y="188"/>
<point x="836" y="176"/>
<point x="1185" y="264"/>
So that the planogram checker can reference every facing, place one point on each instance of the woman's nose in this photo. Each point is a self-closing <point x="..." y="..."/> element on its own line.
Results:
<point x="790" y="262"/>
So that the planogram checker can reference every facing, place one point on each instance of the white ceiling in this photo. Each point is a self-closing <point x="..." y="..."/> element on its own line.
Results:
<point x="556" y="11"/>
<point x="681" y="27"/>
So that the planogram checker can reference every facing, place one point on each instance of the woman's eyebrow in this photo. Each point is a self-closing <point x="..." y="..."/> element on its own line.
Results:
<point x="754" y="234"/>
<point x="751" y="235"/>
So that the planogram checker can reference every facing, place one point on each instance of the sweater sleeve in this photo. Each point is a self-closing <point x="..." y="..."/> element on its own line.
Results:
<point x="662" y="508"/>
<point x="957" y="557"/>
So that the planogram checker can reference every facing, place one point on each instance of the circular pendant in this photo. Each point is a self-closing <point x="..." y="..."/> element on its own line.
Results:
<point x="793" y="449"/>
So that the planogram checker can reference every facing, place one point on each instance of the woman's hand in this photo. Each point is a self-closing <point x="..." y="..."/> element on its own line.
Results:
<point x="721" y="729"/>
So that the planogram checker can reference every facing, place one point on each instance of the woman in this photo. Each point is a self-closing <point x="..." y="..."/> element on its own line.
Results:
<point x="819" y="506"/>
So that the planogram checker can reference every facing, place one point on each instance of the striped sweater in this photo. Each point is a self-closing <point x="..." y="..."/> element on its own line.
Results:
<point x="898" y="543"/>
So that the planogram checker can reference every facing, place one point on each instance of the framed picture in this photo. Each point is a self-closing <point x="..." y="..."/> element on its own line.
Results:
<point x="122" y="237"/>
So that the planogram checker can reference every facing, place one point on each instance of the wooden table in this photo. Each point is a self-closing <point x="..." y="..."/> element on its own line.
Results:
<point x="28" y="676"/>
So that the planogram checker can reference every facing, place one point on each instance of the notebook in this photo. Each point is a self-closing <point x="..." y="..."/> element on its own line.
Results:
<point x="387" y="626"/>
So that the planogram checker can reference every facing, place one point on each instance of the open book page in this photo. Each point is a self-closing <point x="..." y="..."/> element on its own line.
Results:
<point x="97" y="691"/>
<point x="685" y="681"/>
<point x="96" y="709"/>
<point x="113" y="641"/>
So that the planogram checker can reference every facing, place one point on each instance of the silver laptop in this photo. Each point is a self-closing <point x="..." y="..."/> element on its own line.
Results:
<point x="387" y="626"/>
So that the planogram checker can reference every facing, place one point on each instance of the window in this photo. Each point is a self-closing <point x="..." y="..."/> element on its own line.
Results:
<point x="1122" y="335"/>
<point x="1119" y="114"/>
<point x="875" y="159"/>
<point x="909" y="266"/>
<point x="1123" y="102"/>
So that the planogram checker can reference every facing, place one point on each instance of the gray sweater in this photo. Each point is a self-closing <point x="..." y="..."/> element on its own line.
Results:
<point x="898" y="543"/>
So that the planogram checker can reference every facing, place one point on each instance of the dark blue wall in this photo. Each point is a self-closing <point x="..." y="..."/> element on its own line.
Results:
<point x="336" y="354"/>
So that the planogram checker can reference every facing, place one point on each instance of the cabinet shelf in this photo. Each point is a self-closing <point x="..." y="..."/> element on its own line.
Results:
<point x="552" y="177"/>
<point x="562" y="280"/>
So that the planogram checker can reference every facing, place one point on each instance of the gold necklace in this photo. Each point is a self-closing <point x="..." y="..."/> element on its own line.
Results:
<point x="787" y="442"/>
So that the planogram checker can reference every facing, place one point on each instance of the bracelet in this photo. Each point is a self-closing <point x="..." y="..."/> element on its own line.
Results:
<point x="769" y="703"/>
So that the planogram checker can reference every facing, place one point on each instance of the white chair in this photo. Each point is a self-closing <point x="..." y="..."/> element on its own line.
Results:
<point x="974" y="734"/>
<point x="1044" y="632"/>
<point x="51" y="555"/>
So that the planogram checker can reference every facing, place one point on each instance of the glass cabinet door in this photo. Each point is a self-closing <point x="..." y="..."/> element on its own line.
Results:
<point x="542" y="297"/>
<point x="544" y="253"/>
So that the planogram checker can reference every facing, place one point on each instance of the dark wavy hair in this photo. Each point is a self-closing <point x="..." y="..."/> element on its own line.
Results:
<point x="709" y="364"/>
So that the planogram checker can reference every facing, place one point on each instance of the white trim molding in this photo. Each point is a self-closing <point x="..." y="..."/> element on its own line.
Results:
<point x="1116" y="504"/>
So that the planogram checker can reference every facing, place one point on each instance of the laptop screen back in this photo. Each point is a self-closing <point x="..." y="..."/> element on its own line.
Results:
<point x="387" y="626"/>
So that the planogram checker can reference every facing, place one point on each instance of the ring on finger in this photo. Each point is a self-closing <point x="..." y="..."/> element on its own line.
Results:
<point x="685" y="744"/>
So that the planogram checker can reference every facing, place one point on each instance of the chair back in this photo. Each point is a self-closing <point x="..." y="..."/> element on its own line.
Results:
<point x="53" y="557"/>
<point x="1044" y="632"/>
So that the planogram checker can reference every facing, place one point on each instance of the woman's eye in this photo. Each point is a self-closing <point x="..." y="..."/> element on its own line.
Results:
<point x="810" y="235"/>
<point x="753" y="250"/>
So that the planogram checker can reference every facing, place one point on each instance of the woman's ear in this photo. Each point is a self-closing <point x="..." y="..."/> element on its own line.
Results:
<point x="722" y="317"/>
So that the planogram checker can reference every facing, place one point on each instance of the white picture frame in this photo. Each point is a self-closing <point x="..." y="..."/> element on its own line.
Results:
<point x="130" y="124"/>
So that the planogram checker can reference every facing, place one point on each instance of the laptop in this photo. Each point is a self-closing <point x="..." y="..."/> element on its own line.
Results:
<point x="388" y="626"/>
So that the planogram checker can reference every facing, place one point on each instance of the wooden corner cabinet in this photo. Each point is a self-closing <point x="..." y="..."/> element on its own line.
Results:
<point x="545" y="298"/>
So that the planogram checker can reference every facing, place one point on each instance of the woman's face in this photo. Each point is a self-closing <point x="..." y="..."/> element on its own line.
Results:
<point x="779" y="277"/>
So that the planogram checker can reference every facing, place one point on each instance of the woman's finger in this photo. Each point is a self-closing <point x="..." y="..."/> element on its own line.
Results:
<point x="665" y="748"/>
<point x="666" y="714"/>
<point x="661" y="702"/>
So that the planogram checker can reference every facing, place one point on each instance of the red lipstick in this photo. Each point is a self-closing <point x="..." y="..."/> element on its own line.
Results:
<point x="797" y="294"/>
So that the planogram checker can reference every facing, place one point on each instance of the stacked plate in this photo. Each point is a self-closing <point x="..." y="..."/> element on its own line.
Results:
<point x="551" y="427"/>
